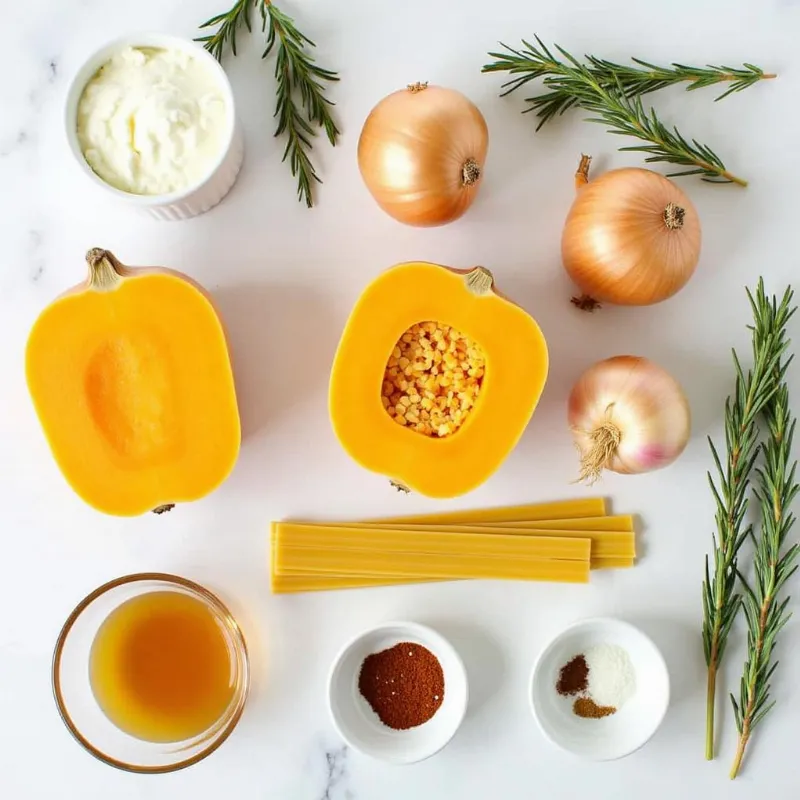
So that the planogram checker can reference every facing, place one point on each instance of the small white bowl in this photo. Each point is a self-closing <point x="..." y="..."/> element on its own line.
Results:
<point x="614" y="736"/>
<point x="194" y="199"/>
<point x="360" y="726"/>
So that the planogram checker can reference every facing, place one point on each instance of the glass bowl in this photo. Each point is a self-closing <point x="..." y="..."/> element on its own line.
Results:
<point x="75" y="699"/>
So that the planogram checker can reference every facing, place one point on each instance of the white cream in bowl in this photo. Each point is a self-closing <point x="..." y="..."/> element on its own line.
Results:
<point x="152" y="121"/>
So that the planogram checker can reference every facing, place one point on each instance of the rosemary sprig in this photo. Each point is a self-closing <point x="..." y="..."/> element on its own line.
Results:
<point x="295" y="70"/>
<point x="610" y="103"/>
<point x="752" y="392"/>
<point x="654" y="77"/>
<point x="774" y="564"/>
<point x="296" y="75"/>
<point x="634" y="80"/>
<point x="225" y="35"/>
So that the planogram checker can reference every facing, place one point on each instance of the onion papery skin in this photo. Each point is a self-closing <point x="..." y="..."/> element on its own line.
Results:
<point x="421" y="154"/>
<point x="616" y="245"/>
<point x="639" y="399"/>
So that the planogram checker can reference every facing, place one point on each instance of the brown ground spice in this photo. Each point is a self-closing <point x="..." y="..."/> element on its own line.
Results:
<point x="586" y="707"/>
<point x="404" y="685"/>
<point x="573" y="677"/>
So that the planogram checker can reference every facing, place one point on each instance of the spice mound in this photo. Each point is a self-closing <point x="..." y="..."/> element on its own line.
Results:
<point x="587" y="708"/>
<point x="573" y="677"/>
<point x="602" y="680"/>
<point x="403" y="685"/>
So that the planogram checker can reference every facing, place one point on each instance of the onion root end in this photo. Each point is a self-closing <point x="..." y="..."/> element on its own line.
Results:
<point x="585" y="303"/>
<point x="604" y="443"/>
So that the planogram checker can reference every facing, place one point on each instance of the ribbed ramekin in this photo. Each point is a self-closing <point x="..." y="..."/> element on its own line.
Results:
<point x="194" y="199"/>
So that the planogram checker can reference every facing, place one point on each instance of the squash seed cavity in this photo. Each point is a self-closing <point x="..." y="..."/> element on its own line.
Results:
<point x="432" y="379"/>
<point x="129" y="395"/>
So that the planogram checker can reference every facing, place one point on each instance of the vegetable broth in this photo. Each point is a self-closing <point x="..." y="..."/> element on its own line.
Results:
<point x="161" y="668"/>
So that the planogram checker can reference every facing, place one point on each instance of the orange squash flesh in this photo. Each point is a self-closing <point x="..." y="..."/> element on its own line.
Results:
<point x="516" y="370"/>
<point x="133" y="386"/>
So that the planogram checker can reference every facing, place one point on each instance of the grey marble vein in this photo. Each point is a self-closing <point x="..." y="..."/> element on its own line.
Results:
<point x="14" y="143"/>
<point x="22" y="133"/>
<point x="36" y="261"/>
<point x="336" y="774"/>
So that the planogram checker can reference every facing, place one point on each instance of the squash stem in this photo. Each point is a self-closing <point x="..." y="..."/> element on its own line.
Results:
<point x="105" y="271"/>
<point x="479" y="281"/>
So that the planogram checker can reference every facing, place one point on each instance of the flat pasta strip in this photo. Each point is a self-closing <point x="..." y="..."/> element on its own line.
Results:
<point x="562" y="509"/>
<point x="620" y="544"/>
<point x="612" y="562"/>
<point x="408" y="540"/>
<point x="317" y="582"/>
<point x="291" y="584"/>
<point x="430" y="565"/>
<point x="621" y="522"/>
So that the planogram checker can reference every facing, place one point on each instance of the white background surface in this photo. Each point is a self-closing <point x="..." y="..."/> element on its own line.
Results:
<point x="285" y="279"/>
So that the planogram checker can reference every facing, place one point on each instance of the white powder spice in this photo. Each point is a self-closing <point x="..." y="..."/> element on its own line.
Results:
<point x="612" y="680"/>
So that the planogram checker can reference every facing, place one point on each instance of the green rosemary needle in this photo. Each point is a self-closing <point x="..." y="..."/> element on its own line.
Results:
<point x="774" y="562"/>
<point x="228" y="23"/>
<point x="753" y="391"/>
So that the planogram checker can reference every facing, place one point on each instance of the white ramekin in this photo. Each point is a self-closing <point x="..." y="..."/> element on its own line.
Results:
<point x="194" y="199"/>
<point x="358" y="724"/>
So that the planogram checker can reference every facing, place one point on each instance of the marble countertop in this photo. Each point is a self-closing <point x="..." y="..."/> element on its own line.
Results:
<point x="285" y="279"/>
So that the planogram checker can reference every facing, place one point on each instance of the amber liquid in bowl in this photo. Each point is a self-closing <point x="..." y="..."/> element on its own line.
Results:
<point x="160" y="667"/>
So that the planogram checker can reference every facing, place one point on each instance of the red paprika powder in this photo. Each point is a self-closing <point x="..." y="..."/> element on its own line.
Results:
<point x="404" y="685"/>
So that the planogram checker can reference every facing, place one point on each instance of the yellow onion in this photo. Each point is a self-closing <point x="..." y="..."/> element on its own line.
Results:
<point x="627" y="415"/>
<point x="421" y="154"/>
<point x="632" y="237"/>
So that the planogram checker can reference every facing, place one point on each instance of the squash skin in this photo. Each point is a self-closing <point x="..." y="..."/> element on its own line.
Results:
<point x="125" y="425"/>
<point x="516" y="372"/>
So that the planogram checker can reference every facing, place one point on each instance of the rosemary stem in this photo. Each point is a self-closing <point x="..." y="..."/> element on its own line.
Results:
<point x="727" y="545"/>
<point x="732" y="178"/>
<point x="711" y="699"/>
<point x="744" y="737"/>
<point x="756" y="656"/>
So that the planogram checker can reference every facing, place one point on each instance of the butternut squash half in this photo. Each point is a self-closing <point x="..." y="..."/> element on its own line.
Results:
<point x="130" y="376"/>
<point x="435" y="378"/>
